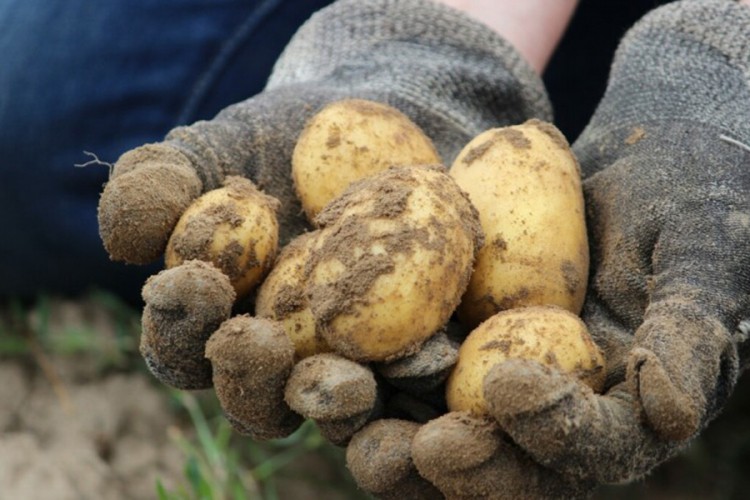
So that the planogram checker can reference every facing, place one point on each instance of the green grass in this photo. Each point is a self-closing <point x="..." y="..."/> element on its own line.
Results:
<point x="32" y="329"/>
<point x="220" y="465"/>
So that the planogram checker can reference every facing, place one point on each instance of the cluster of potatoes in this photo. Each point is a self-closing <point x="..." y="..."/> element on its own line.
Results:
<point x="416" y="280"/>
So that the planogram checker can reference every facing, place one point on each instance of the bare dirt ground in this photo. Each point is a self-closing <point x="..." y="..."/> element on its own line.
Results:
<point x="76" y="422"/>
<point x="81" y="418"/>
<point x="103" y="437"/>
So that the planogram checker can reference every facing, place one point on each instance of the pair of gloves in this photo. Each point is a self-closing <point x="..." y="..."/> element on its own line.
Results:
<point x="666" y="167"/>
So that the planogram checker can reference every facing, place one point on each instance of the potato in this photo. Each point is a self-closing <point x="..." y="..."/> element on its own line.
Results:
<point x="233" y="227"/>
<point x="282" y="297"/>
<point x="549" y="335"/>
<point x="525" y="182"/>
<point x="391" y="262"/>
<point x="349" y="140"/>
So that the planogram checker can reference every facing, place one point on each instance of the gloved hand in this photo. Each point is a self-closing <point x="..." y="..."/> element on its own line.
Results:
<point x="667" y="171"/>
<point x="451" y="75"/>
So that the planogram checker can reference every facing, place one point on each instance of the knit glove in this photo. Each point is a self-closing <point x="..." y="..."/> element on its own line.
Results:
<point x="666" y="164"/>
<point x="451" y="75"/>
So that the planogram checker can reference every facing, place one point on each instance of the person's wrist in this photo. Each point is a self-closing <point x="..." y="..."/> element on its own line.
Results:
<point x="533" y="27"/>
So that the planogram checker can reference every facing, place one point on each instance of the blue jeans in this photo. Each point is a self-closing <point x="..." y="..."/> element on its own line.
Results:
<point x="104" y="77"/>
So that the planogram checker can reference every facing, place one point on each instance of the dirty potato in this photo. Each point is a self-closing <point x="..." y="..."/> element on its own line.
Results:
<point x="349" y="140"/>
<point x="525" y="182"/>
<point x="549" y="335"/>
<point x="391" y="262"/>
<point x="282" y="297"/>
<point x="233" y="227"/>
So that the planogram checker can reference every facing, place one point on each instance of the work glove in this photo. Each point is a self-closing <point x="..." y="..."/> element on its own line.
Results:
<point x="666" y="163"/>
<point x="451" y="75"/>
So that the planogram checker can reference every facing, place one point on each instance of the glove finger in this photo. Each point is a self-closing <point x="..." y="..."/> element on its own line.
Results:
<point x="329" y="387"/>
<point x="568" y="428"/>
<point x="676" y="274"/>
<point x="470" y="457"/>
<point x="425" y="370"/>
<point x="251" y="359"/>
<point x="685" y="363"/>
<point x="339" y="394"/>
<point x="379" y="458"/>
<point x="149" y="189"/>
<point x="183" y="307"/>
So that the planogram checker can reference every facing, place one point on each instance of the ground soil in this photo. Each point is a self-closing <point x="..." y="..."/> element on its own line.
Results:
<point x="94" y="424"/>
<point x="102" y="437"/>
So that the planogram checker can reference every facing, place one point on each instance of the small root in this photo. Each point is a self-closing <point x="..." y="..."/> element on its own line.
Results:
<point x="95" y="161"/>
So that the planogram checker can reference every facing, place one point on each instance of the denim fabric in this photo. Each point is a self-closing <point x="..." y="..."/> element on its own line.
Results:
<point x="104" y="77"/>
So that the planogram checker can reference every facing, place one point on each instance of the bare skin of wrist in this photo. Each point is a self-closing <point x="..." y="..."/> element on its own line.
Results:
<point x="533" y="27"/>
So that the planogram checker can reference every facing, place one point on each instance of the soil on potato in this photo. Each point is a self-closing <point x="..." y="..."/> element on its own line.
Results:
<point x="347" y="239"/>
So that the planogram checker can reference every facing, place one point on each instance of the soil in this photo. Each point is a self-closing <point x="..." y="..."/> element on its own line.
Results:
<point x="83" y="435"/>
<point x="89" y="425"/>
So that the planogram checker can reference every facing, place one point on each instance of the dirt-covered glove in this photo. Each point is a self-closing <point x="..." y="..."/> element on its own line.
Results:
<point x="451" y="75"/>
<point x="667" y="172"/>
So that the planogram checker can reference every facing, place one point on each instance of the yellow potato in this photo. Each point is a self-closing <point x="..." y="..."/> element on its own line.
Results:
<point x="391" y="262"/>
<point x="349" y="140"/>
<point x="525" y="182"/>
<point x="282" y="297"/>
<point x="549" y="335"/>
<point x="234" y="227"/>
